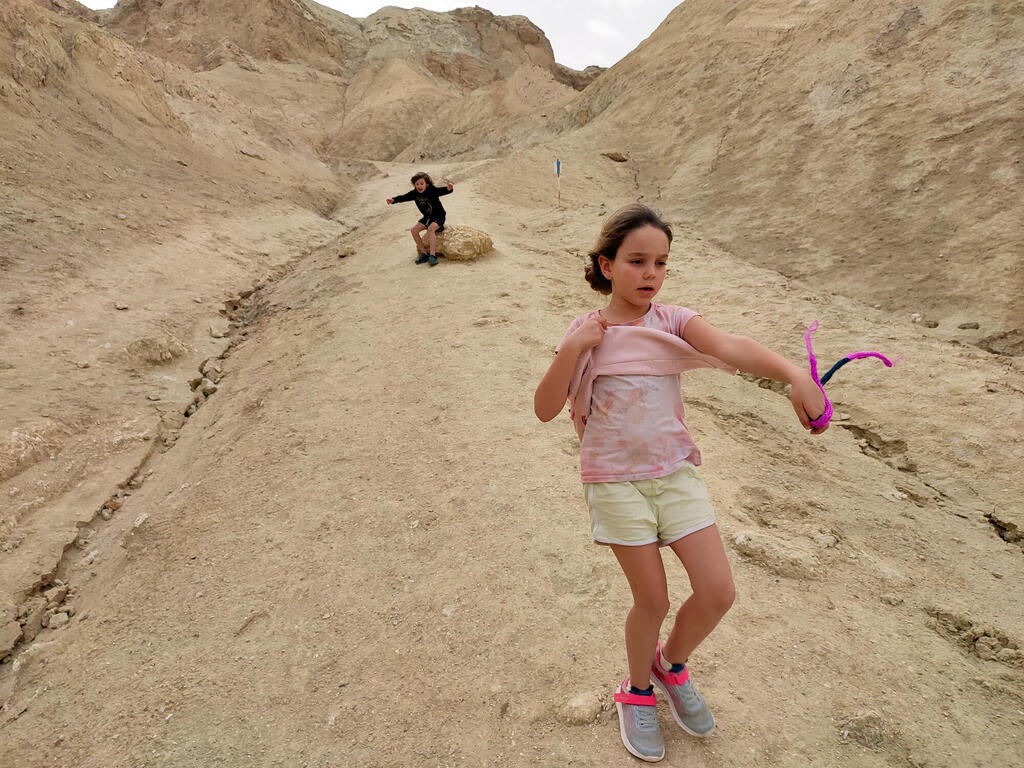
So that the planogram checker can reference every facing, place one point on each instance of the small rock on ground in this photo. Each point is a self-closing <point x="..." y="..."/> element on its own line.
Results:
<point x="867" y="728"/>
<point x="583" y="708"/>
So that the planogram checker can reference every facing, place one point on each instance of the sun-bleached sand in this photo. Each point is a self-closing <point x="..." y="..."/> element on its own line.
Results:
<point x="360" y="547"/>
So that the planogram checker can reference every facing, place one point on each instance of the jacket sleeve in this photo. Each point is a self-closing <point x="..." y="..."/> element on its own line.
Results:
<point x="406" y="197"/>
<point x="441" y="191"/>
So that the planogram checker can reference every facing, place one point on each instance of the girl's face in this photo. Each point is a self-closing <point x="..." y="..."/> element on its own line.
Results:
<point x="639" y="267"/>
<point x="421" y="184"/>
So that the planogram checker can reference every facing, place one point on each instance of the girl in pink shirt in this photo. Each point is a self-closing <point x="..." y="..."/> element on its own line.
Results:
<point x="638" y="464"/>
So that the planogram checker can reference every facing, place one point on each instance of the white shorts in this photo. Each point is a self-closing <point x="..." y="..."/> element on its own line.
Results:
<point x="662" y="509"/>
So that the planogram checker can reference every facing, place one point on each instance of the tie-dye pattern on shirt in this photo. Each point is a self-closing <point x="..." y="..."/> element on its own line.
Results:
<point x="637" y="429"/>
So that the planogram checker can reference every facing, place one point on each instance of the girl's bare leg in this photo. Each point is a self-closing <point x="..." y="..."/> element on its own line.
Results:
<point x="432" y="235"/>
<point x="417" y="228"/>
<point x="646" y="575"/>
<point x="703" y="556"/>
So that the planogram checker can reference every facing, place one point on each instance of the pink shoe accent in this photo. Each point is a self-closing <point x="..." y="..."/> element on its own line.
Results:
<point x="675" y="678"/>
<point x="623" y="696"/>
<point x="669" y="678"/>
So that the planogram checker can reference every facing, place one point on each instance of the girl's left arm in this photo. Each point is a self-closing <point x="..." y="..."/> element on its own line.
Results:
<point x="747" y="355"/>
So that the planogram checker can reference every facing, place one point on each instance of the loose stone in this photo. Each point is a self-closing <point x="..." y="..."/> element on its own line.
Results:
<point x="582" y="708"/>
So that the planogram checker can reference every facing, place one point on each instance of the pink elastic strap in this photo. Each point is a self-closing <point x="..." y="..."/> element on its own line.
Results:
<point x="623" y="696"/>
<point x="888" y="363"/>
<point x="670" y="678"/>
<point x="825" y="417"/>
<point x="636" y="699"/>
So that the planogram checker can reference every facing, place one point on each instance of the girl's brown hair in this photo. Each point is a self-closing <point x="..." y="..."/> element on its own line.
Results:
<point x="422" y="175"/>
<point x="613" y="232"/>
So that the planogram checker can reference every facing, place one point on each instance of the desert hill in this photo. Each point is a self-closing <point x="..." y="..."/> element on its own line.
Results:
<point x="271" y="494"/>
<point x="840" y="143"/>
<point x="152" y="156"/>
<point x="395" y="75"/>
<point x="115" y="190"/>
<point x="202" y="35"/>
<point x="70" y="8"/>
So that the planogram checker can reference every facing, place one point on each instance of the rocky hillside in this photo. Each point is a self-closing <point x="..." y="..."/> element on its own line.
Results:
<point x="70" y="8"/>
<point x="250" y="453"/>
<point x="397" y="76"/>
<point x="199" y="34"/>
<point x="113" y="164"/>
<point x="85" y="115"/>
<point x="870" y="147"/>
<point x="145" y="170"/>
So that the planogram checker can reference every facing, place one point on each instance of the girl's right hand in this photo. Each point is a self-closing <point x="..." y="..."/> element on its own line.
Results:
<point x="549" y="399"/>
<point x="590" y="334"/>
<point x="389" y="201"/>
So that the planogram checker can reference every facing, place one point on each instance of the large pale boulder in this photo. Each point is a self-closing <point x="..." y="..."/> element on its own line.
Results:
<point x="462" y="243"/>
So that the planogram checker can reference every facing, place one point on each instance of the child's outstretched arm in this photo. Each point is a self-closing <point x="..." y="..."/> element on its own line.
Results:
<point x="401" y="198"/>
<point x="553" y="390"/>
<point x="747" y="355"/>
<point x="446" y="190"/>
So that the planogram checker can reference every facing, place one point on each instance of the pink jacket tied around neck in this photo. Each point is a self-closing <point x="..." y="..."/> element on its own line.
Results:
<point x="632" y="350"/>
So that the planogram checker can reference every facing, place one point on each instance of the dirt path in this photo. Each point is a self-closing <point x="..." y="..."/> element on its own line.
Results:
<point x="364" y="549"/>
<point x="96" y="362"/>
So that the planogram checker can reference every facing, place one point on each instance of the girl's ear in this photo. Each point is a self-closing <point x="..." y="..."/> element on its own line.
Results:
<point x="606" y="265"/>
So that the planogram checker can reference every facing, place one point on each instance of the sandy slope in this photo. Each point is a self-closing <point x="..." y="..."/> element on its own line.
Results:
<point x="867" y="146"/>
<point x="364" y="550"/>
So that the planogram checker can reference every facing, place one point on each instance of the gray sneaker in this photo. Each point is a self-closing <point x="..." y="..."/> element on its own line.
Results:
<point x="687" y="705"/>
<point x="638" y="724"/>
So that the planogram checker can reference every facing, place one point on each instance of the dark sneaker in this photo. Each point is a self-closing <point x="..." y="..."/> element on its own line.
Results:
<point x="423" y="259"/>
<point x="687" y="705"/>
<point x="638" y="724"/>
<point x="433" y="260"/>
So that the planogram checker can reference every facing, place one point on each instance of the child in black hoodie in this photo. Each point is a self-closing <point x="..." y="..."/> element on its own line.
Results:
<point x="427" y="199"/>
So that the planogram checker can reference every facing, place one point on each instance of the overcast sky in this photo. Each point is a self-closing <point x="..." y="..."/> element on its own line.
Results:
<point x="582" y="32"/>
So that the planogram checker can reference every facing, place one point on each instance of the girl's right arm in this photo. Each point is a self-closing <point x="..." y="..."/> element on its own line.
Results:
<point x="553" y="390"/>
<point x="401" y="198"/>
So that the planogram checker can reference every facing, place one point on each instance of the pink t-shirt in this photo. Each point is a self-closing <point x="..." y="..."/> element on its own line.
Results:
<point x="636" y="428"/>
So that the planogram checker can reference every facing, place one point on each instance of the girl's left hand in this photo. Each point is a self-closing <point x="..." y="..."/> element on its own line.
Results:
<point x="808" y="402"/>
<point x="450" y="186"/>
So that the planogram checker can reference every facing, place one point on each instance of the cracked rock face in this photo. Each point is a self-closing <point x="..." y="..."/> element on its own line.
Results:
<point x="1009" y="525"/>
<point x="786" y="558"/>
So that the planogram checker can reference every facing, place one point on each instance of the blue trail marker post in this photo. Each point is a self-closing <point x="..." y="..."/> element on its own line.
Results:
<point x="558" y="180"/>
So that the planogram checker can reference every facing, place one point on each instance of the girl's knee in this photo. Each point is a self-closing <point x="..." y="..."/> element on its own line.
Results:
<point x="653" y="607"/>
<point x="727" y="596"/>
<point x="718" y="598"/>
